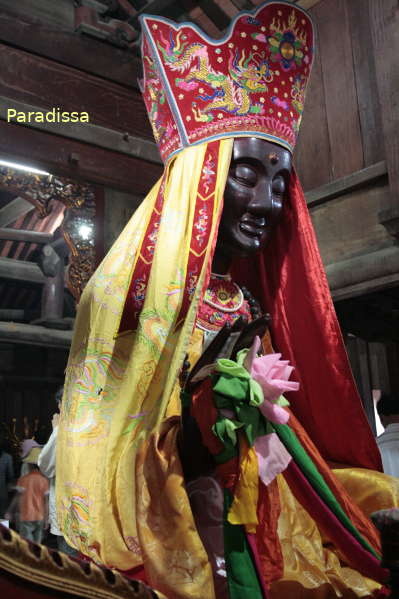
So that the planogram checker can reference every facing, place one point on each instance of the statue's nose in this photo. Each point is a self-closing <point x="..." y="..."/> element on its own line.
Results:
<point x="261" y="201"/>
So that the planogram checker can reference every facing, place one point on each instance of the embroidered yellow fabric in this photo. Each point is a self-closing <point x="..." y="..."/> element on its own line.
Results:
<point x="117" y="388"/>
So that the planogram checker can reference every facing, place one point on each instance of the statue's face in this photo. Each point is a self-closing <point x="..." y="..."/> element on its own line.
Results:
<point x="256" y="186"/>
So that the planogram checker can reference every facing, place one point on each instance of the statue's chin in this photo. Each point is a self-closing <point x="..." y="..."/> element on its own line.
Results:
<point x="242" y="248"/>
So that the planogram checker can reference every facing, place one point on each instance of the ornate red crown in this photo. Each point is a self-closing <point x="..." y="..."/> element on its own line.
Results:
<point x="250" y="83"/>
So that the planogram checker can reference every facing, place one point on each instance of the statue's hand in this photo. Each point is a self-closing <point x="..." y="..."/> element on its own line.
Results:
<point x="256" y="328"/>
<point x="212" y="352"/>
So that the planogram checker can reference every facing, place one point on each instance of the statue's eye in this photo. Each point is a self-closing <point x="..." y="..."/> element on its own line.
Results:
<point x="245" y="174"/>
<point x="278" y="185"/>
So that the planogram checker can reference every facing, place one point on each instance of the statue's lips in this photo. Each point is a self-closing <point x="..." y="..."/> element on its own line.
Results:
<point x="252" y="229"/>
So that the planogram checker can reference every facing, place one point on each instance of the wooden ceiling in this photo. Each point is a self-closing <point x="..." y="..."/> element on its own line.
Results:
<point x="213" y="16"/>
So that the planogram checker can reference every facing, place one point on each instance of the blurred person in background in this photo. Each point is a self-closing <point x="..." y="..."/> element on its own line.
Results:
<point x="388" y="442"/>
<point x="32" y="490"/>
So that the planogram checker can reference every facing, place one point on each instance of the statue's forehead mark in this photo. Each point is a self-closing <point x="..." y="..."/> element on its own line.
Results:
<point x="273" y="157"/>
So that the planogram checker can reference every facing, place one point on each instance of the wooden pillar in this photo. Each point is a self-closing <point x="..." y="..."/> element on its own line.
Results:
<point x="384" y="22"/>
<point x="379" y="366"/>
<point x="357" y="349"/>
<point x="52" y="306"/>
<point x="53" y="296"/>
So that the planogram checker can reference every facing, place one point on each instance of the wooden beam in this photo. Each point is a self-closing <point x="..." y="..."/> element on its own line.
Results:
<point x="27" y="236"/>
<point x="215" y="13"/>
<point x="19" y="270"/>
<point x="34" y="34"/>
<point x="13" y="210"/>
<point x="87" y="132"/>
<point x="41" y="82"/>
<point x="363" y="274"/>
<point x="13" y="314"/>
<point x="345" y="185"/>
<point x="53" y="153"/>
<point x="155" y="7"/>
<point x="59" y="13"/>
<point x="29" y="334"/>
<point x="360" y="289"/>
<point x="243" y="4"/>
<point x="307" y="4"/>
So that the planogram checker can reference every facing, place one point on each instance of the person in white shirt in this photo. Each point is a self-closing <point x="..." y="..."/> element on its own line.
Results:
<point x="47" y="465"/>
<point x="388" y="442"/>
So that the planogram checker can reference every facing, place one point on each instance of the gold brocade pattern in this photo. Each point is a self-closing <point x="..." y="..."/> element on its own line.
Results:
<point x="311" y="570"/>
<point x="371" y="490"/>
<point x="174" y="557"/>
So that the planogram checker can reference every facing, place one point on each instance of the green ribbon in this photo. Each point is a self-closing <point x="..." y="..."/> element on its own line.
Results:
<point x="234" y="390"/>
<point x="242" y="578"/>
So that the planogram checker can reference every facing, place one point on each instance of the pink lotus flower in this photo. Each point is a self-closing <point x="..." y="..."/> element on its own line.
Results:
<point x="272" y="374"/>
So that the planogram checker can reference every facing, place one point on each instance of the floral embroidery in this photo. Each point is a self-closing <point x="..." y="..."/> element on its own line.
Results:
<point x="201" y="225"/>
<point x="286" y="43"/>
<point x="192" y="282"/>
<point x="223" y="302"/>
<point x="133" y="545"/>
<point x="223" y="294"/>
<point x="280" y="103"/>
<point x="252" y="21"/>
<point x="135" y="423"/>
<point x="138" y="290"/>
<point x="298" y="93"/>
<point x="74" y="514"/>
<point x="208" y="172"/>
<point x="152" y="237"/>
<point x="161" y="125"/>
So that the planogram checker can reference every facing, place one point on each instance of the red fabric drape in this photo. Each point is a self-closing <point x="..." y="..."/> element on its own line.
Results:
<point x="289" y="280"/>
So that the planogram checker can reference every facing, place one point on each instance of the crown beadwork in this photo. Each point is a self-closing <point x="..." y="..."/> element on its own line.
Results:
<point x="250" y="83"/>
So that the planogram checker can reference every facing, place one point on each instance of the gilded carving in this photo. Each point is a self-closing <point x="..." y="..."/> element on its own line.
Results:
<point x="78" y="226"/>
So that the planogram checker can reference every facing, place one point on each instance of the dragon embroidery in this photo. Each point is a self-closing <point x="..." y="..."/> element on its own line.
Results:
<point x="248" y="73"/>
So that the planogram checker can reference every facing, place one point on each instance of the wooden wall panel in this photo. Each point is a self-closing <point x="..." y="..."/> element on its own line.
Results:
<point x="342" y="126"/>
<point x="48" y="84"/>
<point x="66" y="47"/>
<point x="348" y="225"/>
<point x="384" y="19"/>
<point x="95" y="164"/>
<point x="366" y="82"/>
<point x="339" y="85"/>
<point x="312" y="153"/>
